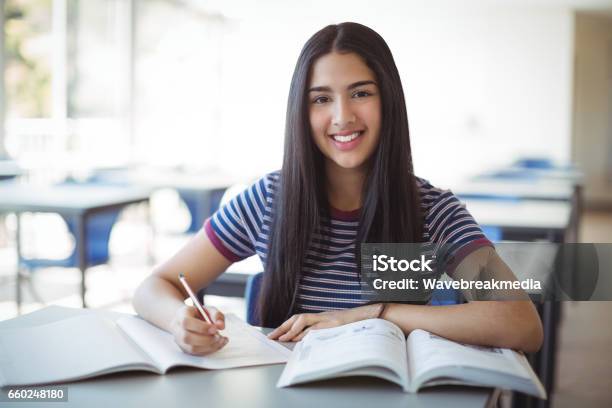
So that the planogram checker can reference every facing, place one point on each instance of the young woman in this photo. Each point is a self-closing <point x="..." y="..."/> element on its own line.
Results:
<point x="347" y="178"/>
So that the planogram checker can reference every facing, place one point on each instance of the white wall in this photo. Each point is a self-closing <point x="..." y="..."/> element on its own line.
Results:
<point x="592" y="133"/>
<point x="483" y="83"/>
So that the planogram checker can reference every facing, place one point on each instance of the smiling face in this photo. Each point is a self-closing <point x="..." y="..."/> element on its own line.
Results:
<point x="344" y="110"/>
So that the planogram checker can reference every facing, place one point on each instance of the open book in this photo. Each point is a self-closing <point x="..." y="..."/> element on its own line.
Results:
<point x="90" y="345"/>
<point x="378" y="348"/>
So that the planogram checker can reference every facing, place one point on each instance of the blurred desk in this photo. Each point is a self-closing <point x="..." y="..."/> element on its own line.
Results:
<point x="160" y="177"/>
<point x="242" y="387"/>
<point x="73" y="201"/>
<point x="565" y="174"/>
<point x="9" y="169"/>
<point x="508" y="189"/>
<point x="524" y="220"/>
<point x="540" y="189"/>
<point x="201" y="191"/>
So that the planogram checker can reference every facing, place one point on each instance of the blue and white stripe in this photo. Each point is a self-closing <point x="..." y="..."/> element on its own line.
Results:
<point x="330" y="275"/>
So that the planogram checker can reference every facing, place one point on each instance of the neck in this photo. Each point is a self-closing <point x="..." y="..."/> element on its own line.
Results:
<point x="345" y="186"/>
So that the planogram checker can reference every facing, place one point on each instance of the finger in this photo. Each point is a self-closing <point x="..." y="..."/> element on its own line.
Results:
<point x="219" y="343"/>
<point x="196" y="325"/>
<point x="218" y="317"/>
<point x="204" y="350"/>
<point x="199" y="340"/>
<point x="302" y="334"/>
<point x="303" y="321"/>
<point x="286" y="325"/>
<point x="283" y="328"/>
<point x="191" y="311"/>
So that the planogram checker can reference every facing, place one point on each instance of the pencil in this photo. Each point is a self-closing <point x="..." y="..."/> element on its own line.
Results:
<point x="195" y="300"/>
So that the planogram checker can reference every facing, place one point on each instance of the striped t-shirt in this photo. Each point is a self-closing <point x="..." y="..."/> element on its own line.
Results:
<point x="330" y="275"/>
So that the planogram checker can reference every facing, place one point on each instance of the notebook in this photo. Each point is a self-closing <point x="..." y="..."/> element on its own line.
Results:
<point x="90" y="345"/>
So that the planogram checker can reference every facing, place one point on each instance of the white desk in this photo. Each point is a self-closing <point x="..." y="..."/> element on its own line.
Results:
<point x="241" y="387"/>
<point x="9" y="169"/>
<point x="529" y="218"/>
<point x="534" y="190"/>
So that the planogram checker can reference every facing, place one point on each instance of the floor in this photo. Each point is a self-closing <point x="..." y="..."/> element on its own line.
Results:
<point x="584" y="368"/>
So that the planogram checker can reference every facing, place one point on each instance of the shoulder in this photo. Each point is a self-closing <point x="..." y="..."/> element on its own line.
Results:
<point x="261" y="187"/>
<point x="434" y="199"/>
<point x="271" y="181"/>
<point x="261" y="192"/>
<point x="267" y="186"/>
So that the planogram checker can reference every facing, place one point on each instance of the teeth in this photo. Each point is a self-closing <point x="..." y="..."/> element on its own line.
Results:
<point x="347" y="138"/>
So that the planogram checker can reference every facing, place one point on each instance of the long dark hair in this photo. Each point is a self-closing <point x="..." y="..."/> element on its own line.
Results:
<point x="391" y="205"/>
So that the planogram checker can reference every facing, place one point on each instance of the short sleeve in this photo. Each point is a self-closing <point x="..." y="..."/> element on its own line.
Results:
<point x="235" y="227"/>
<point x="456" y="231"/>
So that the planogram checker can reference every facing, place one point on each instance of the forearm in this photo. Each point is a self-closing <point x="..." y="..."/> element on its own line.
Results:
<point x="513" y="325"/>
<point x="157" y="301"/>
<point x="159" y="297"/>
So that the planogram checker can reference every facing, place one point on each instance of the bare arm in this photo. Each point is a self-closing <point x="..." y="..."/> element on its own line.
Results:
<point x="513" y="324"/>
<point x="160" y="297"/>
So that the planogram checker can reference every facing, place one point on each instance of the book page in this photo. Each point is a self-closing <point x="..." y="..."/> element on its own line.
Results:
<point x="373" y="342"/>
<point x="428" y="351"/>
<point x="69" y="349"/>
<point x="246" y="347"/>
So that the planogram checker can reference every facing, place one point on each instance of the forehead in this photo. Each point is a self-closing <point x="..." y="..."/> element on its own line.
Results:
<point x="337" y="70"/>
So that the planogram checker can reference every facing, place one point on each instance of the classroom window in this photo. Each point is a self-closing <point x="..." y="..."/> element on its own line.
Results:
<point x="27" y="67"/>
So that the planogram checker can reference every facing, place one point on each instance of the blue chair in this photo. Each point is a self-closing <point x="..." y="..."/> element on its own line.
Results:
<point x="98" y="229"/>
<point x="493" y="234"/>
<point x="442" y="297"/>
<point x="97" y="234"/>
<point x="539" y="163"/>
<point x="251" y="295"/>
<point x="200" y="204"/>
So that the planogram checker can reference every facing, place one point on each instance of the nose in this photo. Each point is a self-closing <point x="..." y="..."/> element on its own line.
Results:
<point x="343" y="114"/>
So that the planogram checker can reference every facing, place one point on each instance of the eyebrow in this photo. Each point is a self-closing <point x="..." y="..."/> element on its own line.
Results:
<point x="351" y="86"/>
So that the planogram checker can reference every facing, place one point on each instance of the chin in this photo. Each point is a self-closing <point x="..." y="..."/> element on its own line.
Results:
<point x="349" y="164"/>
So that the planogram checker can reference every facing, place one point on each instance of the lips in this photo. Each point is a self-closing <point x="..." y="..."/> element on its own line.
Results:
<point x="347" y="139"/>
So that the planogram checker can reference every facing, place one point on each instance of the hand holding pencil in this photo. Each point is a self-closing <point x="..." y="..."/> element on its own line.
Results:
<point x="196" y="329"/>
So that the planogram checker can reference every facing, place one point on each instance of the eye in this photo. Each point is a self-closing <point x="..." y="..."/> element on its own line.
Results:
<point x="361" y="94"/>
<point x="320" y="100"/>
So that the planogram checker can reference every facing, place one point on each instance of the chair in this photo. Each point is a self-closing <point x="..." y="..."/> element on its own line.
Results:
<point x="251" y="294"/>
<point x="98" y="229"/>
<point x="201" y="205"/>
<point x="536" y="163"/>
<point x="97" y="232"/>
